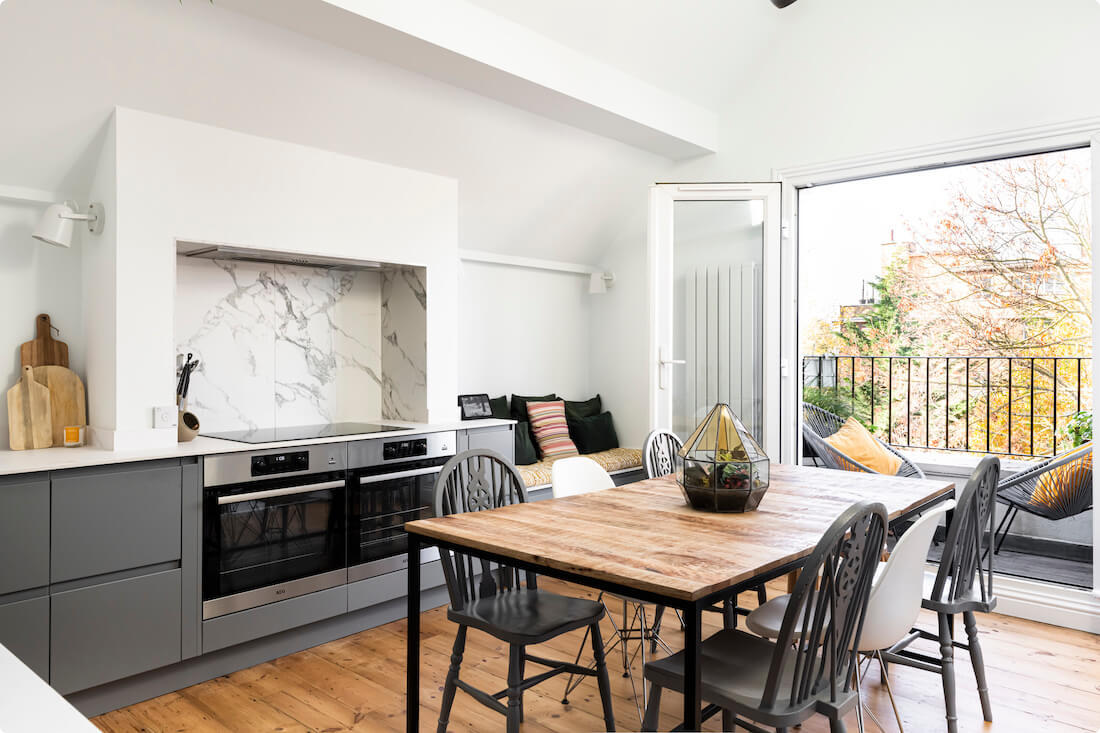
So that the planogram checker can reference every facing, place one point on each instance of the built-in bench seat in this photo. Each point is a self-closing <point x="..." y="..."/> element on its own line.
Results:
<point x="621" y="463"/>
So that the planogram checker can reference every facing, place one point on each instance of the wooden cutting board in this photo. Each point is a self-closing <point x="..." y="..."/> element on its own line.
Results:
<point x="44" y="349"/>
<point x="67" y="402"/>
<point x="29" y="424"/>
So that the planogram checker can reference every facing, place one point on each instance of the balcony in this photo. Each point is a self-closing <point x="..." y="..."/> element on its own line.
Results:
<point x="946" y="412"/>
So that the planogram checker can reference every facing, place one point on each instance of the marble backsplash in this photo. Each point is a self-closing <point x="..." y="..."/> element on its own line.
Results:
<point x="288" y="345"/>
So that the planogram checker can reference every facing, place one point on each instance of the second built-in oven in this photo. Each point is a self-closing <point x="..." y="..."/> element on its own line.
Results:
<point x="391" y="482"/>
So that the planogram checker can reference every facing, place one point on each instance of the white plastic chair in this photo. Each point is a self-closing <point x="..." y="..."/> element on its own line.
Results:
<point x="895" y="600"/>
<point x="580" y="475"/>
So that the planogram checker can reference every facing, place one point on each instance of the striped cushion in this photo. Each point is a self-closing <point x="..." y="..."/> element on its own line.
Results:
<point x="550" y="429"/>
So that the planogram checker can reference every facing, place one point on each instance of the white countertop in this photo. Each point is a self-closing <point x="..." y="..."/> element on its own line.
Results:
<point x="28" y="704"/>
<point x="54" y="459"/>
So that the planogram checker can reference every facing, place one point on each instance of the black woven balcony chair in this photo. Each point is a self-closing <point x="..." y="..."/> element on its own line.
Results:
<point x="1058" y="488"/>
<point x="818" y="424"/>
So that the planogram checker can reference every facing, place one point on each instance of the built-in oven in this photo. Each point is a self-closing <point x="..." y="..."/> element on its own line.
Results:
<point x="274" y="526"/>
<point x="391" y="482"/>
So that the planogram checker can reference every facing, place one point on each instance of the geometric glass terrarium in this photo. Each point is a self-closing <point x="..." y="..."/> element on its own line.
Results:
<point x="721" y="467"/>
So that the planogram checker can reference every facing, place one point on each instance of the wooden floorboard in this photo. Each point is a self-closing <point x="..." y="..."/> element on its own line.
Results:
<point x="1042" y="678"/>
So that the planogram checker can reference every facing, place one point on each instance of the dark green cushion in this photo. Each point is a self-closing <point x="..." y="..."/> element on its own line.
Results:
<point x="587" y="408"/>
<point x="499" y="406"/>
<point x="519" y="404"/>
<point x="525" y="445"/>
<point x="594" y="434"/>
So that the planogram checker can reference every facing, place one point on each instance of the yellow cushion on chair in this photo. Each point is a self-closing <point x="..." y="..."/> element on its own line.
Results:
<point x="1050" y="484"/>
<point x="854" y="441"/>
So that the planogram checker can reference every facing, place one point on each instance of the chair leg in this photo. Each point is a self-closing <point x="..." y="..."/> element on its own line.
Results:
<point x="624" y="634"/>
<point x="890" y="692"/>
<point x="522" y="677"/>
<point x="978" y="661"/>
<point x="515" y="692"/>
<point x="729" y="613"/>
<point x="837" y="726"/>
<point x="602" y="678"/>
<point x="729" y="721"/>
<point x="947" y="672"/>
<point x="652" y="709"/>
<point x="658" y="613"/>
<point x="1006" y="522"/>
<point x="761" y="594"/>
<point x="450" y="686"/>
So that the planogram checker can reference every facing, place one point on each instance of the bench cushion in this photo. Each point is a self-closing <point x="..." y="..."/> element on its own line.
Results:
<point x="616" y="459"/>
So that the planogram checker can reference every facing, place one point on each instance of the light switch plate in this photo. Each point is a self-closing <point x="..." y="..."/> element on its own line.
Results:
<point x="165" y="416"/>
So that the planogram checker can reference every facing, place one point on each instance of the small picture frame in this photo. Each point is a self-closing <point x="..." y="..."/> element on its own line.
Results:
<point x="475" y="406"/>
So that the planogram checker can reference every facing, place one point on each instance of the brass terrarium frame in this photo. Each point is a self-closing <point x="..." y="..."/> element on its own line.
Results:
<point x="722" y="468"/>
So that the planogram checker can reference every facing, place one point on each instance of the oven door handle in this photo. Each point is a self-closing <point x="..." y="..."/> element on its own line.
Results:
<point x="399" y="474"/>
<point x="286" y="491"/>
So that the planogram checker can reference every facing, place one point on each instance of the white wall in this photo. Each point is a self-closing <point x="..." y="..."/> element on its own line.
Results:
<point x="524" y="331"/>
<point x="35" y="278"/>
<point x="527" y="185"/>
<point x="853" y="77"/>
<point x="181" y="180"/>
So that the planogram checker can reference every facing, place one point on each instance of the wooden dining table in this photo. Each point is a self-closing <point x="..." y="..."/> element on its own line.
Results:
<point x="644" y="541"/>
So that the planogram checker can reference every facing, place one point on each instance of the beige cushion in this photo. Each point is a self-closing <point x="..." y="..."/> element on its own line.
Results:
<point x="616" y="459"/>
<point x="854" y="441"/>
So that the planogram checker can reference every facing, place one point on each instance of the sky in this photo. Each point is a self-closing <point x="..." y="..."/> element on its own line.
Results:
<point x="842" y="227"/>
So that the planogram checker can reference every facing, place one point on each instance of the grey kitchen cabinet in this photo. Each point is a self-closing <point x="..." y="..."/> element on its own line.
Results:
<point x="24" y="533"/>
<point x="389" y="586"/>
<point x="25" y="632"/>
<point x="499" y="438"/>
<point x="101" y="633"/>
<point x="106" y="520"/>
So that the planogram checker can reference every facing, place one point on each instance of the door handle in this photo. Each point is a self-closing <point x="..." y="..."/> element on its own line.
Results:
<point x="662" y="362"/>
<point x="272" y="493"/>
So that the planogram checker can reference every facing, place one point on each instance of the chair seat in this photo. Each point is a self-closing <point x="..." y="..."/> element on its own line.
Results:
<point x="735" y="667"/>
<point x="767" y="619"/>
<point x="969" y="601"/>
<point x="528" y="616"/>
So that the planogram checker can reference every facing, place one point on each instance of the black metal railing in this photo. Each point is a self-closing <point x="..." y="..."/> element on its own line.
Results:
<point x="1006" y="405"/>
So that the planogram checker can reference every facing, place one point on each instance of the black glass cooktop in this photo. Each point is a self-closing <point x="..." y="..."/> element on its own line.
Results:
<point x="303" y="432"/>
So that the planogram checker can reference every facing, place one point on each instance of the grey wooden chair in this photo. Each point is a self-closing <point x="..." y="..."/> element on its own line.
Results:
<point x="961" y="585"/>
<point x="810" y="668"/>
<point x="818" y="424"/>
<point x="659" y="457"/>
<point x="1066" y="492"/>
<point x="502" y="601"/>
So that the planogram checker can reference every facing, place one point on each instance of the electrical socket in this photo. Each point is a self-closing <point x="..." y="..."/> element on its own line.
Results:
<point x="165" y="416"/>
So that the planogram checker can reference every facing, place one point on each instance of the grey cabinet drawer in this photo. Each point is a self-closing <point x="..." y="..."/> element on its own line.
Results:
<point x="237" y="628"/>
<point x="106" y="632"/>
<point x="24" y="533"/>
<point x="114" y="519"/>
<point x="386" y="587"/>
<point x="25" y="631"/>
<point x="500" y="439"/>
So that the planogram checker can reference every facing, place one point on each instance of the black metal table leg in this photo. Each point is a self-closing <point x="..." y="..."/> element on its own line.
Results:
<point x="693" y="667"/>
<point x="412" y="659"/>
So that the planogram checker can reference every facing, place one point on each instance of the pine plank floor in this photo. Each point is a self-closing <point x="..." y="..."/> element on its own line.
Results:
<point x="1042" y="678"/>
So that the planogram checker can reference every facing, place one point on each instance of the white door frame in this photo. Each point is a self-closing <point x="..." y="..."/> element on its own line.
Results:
<point x="662" y="198"/>
<point x="1019" y="594"/>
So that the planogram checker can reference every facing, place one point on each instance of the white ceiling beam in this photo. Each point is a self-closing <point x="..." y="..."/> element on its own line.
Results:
<point x="469" y="47"/>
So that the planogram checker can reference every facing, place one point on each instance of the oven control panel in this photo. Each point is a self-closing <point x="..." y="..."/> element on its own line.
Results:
<point x="372" y="452"/>
<point x="275" y="463"/>
<point x="404" y="449"/>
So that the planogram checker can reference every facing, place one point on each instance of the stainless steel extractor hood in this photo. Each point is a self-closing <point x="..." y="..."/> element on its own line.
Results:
<point x="213" y="251"/>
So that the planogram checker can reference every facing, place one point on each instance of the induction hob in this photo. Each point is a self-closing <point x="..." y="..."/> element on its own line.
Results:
<point x="304" y="432"/>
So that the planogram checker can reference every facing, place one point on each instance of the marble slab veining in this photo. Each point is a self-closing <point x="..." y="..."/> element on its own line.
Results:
<point x="279" y="345"/>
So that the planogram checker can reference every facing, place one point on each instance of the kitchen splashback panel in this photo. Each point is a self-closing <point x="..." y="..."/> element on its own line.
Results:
<point x="285" y="345"/>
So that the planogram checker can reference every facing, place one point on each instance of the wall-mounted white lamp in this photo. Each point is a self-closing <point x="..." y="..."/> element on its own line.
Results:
<point x="599" y="282"/>
<point x="56" y="225"/>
